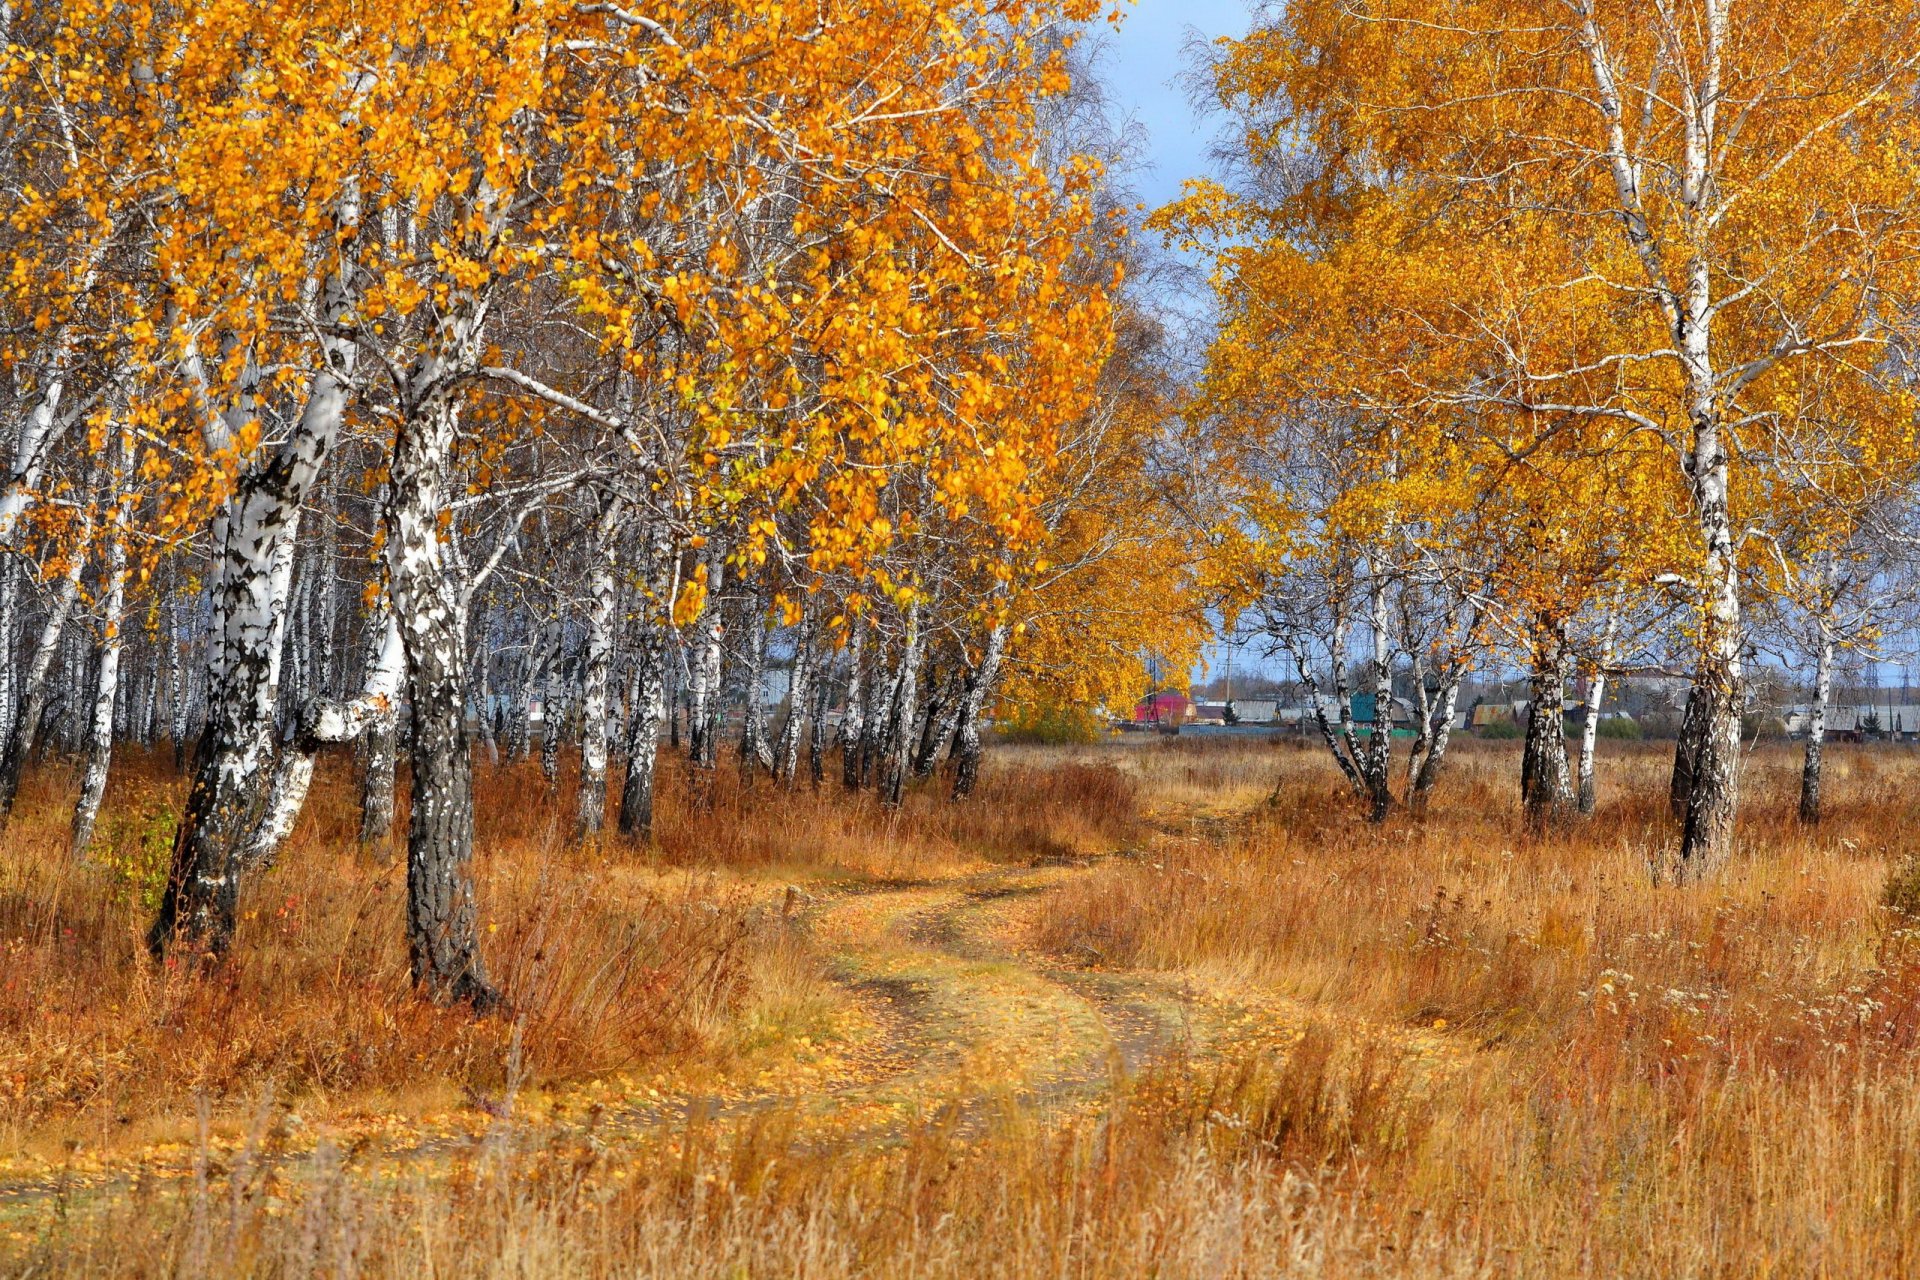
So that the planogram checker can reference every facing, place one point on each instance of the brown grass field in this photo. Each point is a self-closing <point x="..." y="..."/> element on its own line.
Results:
<point x="1152" y="1008"/>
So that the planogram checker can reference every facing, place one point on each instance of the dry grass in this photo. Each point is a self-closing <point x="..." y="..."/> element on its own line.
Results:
<point x="1517" y="1054"/>
<point x="1715" y="1081"/>
<point x="1032" y="801"/>
<point x="602" y="965"/>
<point x="610" y="956"/>
<point x="1188" y="1177"/>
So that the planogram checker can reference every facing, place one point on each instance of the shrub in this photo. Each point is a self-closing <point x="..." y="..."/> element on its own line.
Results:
<point x="134" y="846"/>
<point x="1050" y="725"/>
<point x="1620" y="727"/>
<point x="1501" y="730"/>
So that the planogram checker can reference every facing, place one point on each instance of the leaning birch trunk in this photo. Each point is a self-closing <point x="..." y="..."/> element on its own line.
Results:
<point x="1590" y="727"/>
<point x="40" y="430"/>
<point x="232" y="769"/>
<point x="1340" y="742"/>
<point x="1423" y="729"/>
<point x="256" y="529"/>
<point x="1441" y="735"/>
<point x="1816" y="731"/>
<point x="93" y="786"/>
<point x="973" y="706"/>
<point x="323" y="721"/>
<point x="442" y="926"/>
<point x="937" y="722"/>
<point x="799" y="698"/>
<point x="853" y="714"/>
<point x="647" y="705"/>
<point x="591" y="809"/>
<point x="33" y="688"/>
<point x="900" y="741"/>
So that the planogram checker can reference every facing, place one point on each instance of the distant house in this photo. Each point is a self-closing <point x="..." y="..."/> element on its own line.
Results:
<point x="1252" y="710"/>
<point x="1488" y="714"/>
<point x="1399" y="711"/>
<point x="1852" y="723"/>
<point x="1301" y="717"/>
<point x="1164" y="709"/>
<point x="1211" y="712"/>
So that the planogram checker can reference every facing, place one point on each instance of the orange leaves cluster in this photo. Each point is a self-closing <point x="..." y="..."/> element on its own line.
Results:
<point x="1479" y="231"/>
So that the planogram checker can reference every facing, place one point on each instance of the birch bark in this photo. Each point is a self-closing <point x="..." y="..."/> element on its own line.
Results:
<point x="1816" y="730"/>
<point x="853" y="714"/>
<point x="591" y="806"/>
<point x="255" y="533"/>
<point x="93" y="784"/>
<point x="649" y="697"/>
<point x="34" y="687"/>
<point x="799" y="697"/>
<point x="442" y="924"/>
<point x="973" y="706"/>
<point x="900" y="741"/>
<point x="1590" y="727"/>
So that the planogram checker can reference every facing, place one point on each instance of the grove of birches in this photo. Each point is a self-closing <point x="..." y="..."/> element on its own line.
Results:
<point x="432" y="383"/>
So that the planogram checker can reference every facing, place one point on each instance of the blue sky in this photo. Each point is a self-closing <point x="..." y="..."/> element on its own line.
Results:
<point x="1141" y="64"/>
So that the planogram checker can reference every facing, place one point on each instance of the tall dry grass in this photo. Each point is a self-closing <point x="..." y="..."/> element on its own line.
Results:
<point x="611" y="955"/>
<point x="1634" y="1079"/>
<point x="1190" y="1173"/>
<point x="1517" y="1054"/>
<point x="98" y="1045"/>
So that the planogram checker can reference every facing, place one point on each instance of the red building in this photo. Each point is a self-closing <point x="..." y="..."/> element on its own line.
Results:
<point x="1164" y="708"/>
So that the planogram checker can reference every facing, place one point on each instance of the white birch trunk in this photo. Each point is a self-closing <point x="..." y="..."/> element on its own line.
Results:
<point x="756" y="750"/>
<point x="1378" y="768"/>
<point x="1810" y="767"/>
<point x="323" y="721"/>
<point x="981" y="682"/>
<point x="648" y="700"/>
<point x="93" y="785"/>
<point x="255" y="534"/>
<point x="900" y="742"/>
<point x="33" y="687"/>
<point x="853" y="714"/>
<point x="591" y="810"/>
<point x="799" y="696"/>
<point x="709" y="631"/>
<point x="1590" y="728"/>
<point x="442" y="911"/>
